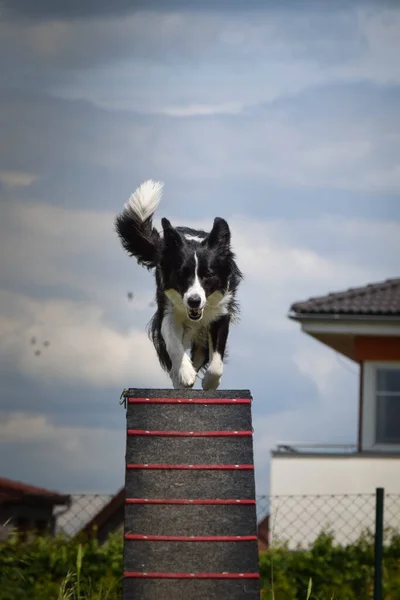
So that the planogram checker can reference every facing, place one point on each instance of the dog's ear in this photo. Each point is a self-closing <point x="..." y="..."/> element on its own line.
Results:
<point x="172" y="237"/>
<point x="219" y="235"/>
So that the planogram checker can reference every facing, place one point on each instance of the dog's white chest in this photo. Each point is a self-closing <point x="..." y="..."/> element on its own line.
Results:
<point x="196" y="331"/>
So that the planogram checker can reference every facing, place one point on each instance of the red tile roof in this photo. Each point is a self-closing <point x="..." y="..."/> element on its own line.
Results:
<point x="374" y="299"/>
<point x="16" y="490"/>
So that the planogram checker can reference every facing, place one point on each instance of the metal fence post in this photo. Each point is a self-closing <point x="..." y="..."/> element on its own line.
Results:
<point x="378" y="544"/>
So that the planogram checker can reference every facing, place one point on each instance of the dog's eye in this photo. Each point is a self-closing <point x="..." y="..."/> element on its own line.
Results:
<point x="186" y="272"/>
<point x="207" y="273"/>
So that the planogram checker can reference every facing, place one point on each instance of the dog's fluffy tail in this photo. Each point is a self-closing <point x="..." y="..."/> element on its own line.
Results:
<point x="134" y="225"/>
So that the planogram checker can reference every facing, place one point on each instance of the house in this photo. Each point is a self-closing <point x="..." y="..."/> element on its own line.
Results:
<point x="27" y="509"/>
<point x="362" y="324"/>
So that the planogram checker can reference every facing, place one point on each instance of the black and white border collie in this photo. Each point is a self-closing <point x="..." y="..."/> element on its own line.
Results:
<point x="196" y="278"/>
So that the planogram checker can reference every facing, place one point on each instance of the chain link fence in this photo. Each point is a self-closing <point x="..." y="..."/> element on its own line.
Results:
<point x="298" y="520"/>
<point x="83" y="508"/>
<point x="294" y="520"/>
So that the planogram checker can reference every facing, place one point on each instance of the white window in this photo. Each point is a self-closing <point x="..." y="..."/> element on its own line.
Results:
<point x="381" y="406"/>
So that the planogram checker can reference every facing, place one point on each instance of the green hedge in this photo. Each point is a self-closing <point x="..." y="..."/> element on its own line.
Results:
<point x="61" y="569"/>
<point x="49" y="568"/>
<point x="337" y="572"/>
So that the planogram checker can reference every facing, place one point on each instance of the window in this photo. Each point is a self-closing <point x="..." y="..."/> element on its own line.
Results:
<point x="387" y="406"/>
<point x="381" y="406"/>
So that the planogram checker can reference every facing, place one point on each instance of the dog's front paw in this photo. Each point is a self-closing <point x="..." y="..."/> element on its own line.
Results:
<point x="184" y="376"/>
<point x="187" y="374"/>
<point x="210" y="381"/>
<point x="212" y="377"/>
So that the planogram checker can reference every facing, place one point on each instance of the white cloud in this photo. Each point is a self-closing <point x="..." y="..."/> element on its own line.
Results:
<point x="17" y="178"/>
<point x="286" y="261"/>
<point x="196" y="110"/>
<point x="84" y="347"/>
<point x="20" y="427"/>
<point x="332" y="420"/>
<point x="220" y="68"/>
<point x="283" y="261"/>
<point x="336" y="138"/>
<point x="321" y="367"/>
<point x="251" y="56"/>
<point x="55" y="454"/>
<point x="76" y="250"/>
<point x="328" y="149"/>
<point x="331" y="138"/>
<point x="378" y="29"/>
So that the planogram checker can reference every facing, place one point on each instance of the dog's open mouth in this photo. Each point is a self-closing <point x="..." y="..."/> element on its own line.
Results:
<point x="195" y="313"/>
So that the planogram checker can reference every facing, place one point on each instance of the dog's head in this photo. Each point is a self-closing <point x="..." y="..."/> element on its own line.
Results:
<point x="196" y="273"/>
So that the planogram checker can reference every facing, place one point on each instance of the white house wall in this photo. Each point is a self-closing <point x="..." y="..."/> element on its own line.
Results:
<point x="311" y="493"/>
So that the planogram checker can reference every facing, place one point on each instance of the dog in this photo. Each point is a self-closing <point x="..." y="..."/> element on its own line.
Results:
<point x="197" y="279"/>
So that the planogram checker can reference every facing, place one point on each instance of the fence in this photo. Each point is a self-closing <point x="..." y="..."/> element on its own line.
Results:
<point x="83" y="508"/>
<point x="294" y="520"/>
<point x="298" y="520"/>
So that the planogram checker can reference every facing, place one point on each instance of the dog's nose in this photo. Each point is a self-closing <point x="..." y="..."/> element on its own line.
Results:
<point x="194" y="301"/>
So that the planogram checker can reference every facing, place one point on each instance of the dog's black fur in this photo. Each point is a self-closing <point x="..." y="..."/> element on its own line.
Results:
<point x="176" y="257"/>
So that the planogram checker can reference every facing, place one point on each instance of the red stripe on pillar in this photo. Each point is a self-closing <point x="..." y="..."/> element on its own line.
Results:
<point x="146" y="432"/>
<point x="189" y="401"/>
<point x="155" y="575"/>
<point x="191" y="467"/>
<point x="184" y="501"/>
<point x="190" y="538"/>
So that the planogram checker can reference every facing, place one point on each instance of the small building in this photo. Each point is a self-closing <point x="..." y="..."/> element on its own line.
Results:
<point x="362" y="324"/>
<point x="28" y="509"/>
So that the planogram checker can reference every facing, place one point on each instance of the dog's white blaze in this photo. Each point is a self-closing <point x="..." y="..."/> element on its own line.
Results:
<point x="196" y="288"/>
<point x="144" y="201"/>
<point x="195" y="238"/>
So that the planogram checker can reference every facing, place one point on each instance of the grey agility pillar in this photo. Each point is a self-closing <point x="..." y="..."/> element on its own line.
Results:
<point x="190" y="513"/>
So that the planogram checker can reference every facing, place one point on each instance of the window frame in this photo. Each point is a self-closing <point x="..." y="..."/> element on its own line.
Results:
<point x="369" y="406"/>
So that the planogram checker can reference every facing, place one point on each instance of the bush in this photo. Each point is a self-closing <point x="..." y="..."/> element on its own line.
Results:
<point x="56" y="568"/>
<point x="337" y="572"/>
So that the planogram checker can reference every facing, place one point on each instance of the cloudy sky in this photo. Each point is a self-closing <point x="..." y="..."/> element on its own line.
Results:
<point x="282" y="117"/>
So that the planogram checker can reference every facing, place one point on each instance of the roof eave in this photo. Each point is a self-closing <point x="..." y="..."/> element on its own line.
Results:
<point x="334" y="317"/>
<point x="55" y="500"/>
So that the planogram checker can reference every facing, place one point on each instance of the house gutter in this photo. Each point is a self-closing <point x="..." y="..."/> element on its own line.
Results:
<point x="343" y="317"/>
